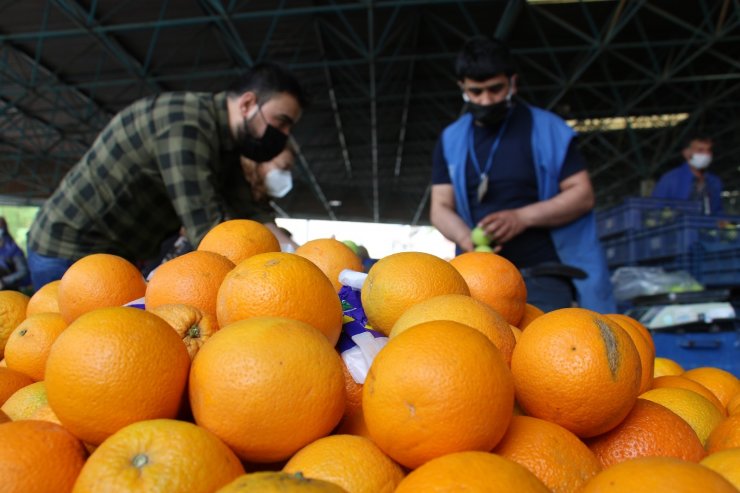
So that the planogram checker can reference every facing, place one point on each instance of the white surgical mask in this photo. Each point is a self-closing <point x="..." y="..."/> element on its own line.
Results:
<point x="700" y="160"/>
<point x="278" y="182"/>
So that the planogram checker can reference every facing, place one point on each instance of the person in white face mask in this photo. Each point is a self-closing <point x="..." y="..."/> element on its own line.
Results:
<point x="270" y="180"/>
<point x="691" y="180"/>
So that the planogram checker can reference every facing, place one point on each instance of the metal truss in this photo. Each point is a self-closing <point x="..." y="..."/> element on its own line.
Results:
<point x="380" y="73"/>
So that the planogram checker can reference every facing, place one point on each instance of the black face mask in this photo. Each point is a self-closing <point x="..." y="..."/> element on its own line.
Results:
<point x="489" y="115"/>
<point x="264" y="148"/>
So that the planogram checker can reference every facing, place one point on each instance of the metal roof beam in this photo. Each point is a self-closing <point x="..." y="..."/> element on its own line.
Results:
<point x="700" y="109"/>
<point x="618" y="22"/>
<point x="406" y="103"/>
<point x="508" y="19"/>
<point x="373" y="110"/>
<point x="77" y="14"/>
<point x="229" y="34"/>
<point x="306" y="169"/>
<point x="237" y="16"/>
<point x="334" y="105"/>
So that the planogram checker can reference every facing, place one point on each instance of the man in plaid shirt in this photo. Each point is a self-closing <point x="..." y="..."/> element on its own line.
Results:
<point x="166" y="161"/>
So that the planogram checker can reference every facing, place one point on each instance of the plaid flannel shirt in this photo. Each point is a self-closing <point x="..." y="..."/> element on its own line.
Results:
<point x="162" y="162"/>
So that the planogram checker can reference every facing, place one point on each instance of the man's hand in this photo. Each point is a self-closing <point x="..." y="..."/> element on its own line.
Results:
<point x="502" y="226"/>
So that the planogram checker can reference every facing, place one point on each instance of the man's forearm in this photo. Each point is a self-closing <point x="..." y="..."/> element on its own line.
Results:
<point x="561" y="209"/>
<point x="452" y="227"/>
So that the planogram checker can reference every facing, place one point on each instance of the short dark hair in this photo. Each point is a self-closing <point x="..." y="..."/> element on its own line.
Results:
<point x="483" y="57"/>
<point x="267" y="78"/>
<point x="698" y="137"/>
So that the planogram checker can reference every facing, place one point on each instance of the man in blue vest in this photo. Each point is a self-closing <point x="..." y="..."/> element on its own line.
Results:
<point x="691" y="180"/>
<point x="515" y="171"/>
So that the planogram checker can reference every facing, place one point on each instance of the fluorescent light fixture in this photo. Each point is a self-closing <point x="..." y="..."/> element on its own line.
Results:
<point x="335" y="203"/>
<point x="622" y="122"/>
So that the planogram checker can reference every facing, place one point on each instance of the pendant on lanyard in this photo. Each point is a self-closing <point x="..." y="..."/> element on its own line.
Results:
<point x="482" y="186"/>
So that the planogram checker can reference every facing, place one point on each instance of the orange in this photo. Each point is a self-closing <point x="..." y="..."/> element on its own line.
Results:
<point x="725" y="435"/>
<point x="517" y="333"/>
<point x="112" y="367"/>
<point x="733" y="407"/>
<point x="332" y="257"/>
<point x="685" y="383"/>
<point x="239" y="239"/>
<point x="649" y="430"/>
<point x="651" y="474"/>
<point x="352" y="393"/>
<point x="353" y="424"/>
<point x="97" y="281"/>
<point x="555" y="455"/>
<point x="12" y="312"/>
<point x="530" y="313"/>
<point x="26" y="401"/>
<point x="280" y="285"/>
<point x="578" y="369"/>
<point x="193" y="325"/>
<point x="45" y="300"/>
<point x="39" y="456"/>
<point x="400" y="280"/>
<point x="190" y="279"/>
<point x="723" y="384"/>
<point x="644" y="331"/>
<point x="279" y="482"/>
<point x="10" y="382"/>
<point x="481" y="472"/>
<point x="495" y="281"/>
<point x="45" y="413"/>
<point x="160" y="455"/>
<point x="437" y="388"/>
<point x="696" y="410"/>
<point x="352" y="462"/>
<point x="644" y="345"/>
<point x="30" y="343"/>
<point x="4" y="418"/>
<point x="267" y="387"/>
<point x="465" y="310"/>
<point x="725" y="462"/>
<point x="666" y="366"/>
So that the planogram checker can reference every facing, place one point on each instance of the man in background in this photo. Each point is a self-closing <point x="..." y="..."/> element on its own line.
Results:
<point x="515" y="171"/>
<point x="167" y="161"/>
<point x="691" y="180"/>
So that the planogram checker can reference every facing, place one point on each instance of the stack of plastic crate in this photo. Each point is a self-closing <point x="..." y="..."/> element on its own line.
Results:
<point x="626" y="230"/>
<point x="674" y="235"/>
<point x="718" y="253"/>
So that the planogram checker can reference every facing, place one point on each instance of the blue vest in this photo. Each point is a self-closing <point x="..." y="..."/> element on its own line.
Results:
<point x="678" y="183"/>
<point x="576" y="242"/>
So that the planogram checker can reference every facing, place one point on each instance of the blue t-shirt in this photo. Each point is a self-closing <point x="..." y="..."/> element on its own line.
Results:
<point x="512" y="182"/>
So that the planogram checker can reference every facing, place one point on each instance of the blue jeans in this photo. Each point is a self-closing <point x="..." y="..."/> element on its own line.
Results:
<point x="549" y="293"/>
<point x="46" y="269"/>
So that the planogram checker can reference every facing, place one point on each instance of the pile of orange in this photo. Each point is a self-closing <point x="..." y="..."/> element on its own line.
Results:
<point x="233" y="378"/>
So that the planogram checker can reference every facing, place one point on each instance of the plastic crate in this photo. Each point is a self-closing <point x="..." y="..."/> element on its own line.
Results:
<point x="720" y="279"/>
<point x="620" y="251"/>
<point x="697" y="347"/>
<point x="688" y="262"/>
<point x="675" y="239"/>
<point x="720" y="239"/>
<point x="719" y="261"/>
<point x="637" y="213"/>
